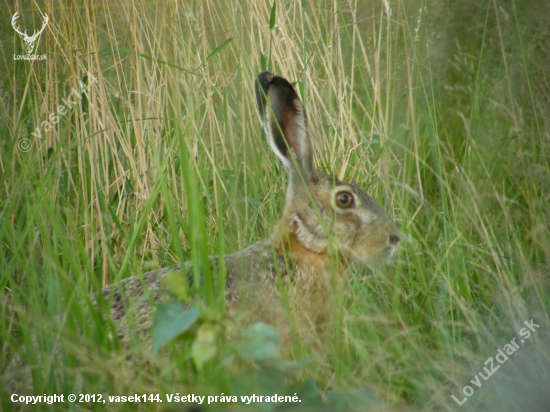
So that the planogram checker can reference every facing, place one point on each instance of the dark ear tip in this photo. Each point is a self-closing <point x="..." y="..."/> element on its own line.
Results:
<point x="261" y="84"/>
<point x="264" y="78"/>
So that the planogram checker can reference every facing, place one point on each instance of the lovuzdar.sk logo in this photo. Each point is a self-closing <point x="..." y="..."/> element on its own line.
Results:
<point x="29" y="40"/>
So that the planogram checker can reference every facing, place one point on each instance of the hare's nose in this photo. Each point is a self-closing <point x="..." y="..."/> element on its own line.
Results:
<point x="394" y="239"/>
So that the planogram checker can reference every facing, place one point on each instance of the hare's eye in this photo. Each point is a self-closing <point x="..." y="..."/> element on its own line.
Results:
<point x="344" y="200"/>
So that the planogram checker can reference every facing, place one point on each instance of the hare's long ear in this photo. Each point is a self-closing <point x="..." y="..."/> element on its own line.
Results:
<point x="285" y="122"/>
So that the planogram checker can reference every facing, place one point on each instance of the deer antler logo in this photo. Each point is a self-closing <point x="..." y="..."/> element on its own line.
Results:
<point x="29" y="40"/>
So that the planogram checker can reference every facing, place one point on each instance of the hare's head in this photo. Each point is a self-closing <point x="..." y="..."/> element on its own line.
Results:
<point x="319" y="209"/>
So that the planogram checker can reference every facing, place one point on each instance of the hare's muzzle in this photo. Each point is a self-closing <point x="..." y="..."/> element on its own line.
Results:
<point x="390" y="238"/>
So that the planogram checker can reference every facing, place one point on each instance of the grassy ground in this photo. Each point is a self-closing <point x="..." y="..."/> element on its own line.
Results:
<point x="439" y="110"/>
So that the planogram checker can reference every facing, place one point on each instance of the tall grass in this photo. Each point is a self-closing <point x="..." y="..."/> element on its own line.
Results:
<point x="439" y="110"/>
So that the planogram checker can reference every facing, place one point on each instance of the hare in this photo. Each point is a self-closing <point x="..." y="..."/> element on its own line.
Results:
<point x="326" y="226"/>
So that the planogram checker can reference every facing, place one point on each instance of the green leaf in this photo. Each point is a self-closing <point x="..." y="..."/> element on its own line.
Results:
<point x="171" y="320"/>
<point x="368" y="142"/>
<point x="265" y="382"/>
<point x="273" y="16"/>
<point x="120" y="49"/>
<point x="217" y="50"/>
<point x="257" y="350"/>
<point x="249" y="200"/>
<point x="261" y="342"/>
<point x="176" y="284"/>
<point x="111" y="49"/>
<point x="310" y="399"/>
<point x="262" y="331"/>
<point x="309" y="389"/>
<point x="263" y="63"/>
<point x="204" y="347"/>
<point x="399" y="131"/>
<point x="353" y="399"/>
<point x="302" y="89"/>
